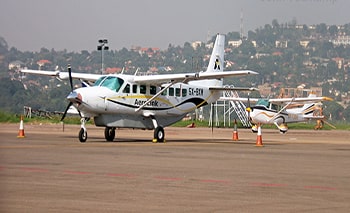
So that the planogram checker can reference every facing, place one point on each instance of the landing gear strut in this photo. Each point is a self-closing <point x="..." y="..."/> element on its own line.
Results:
<point x="110" y="133"/>
<point x="159" y="134"/>
<point x="83" y="132"/>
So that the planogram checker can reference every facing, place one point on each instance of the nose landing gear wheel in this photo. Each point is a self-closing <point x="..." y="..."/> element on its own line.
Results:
<point x="158" y="135"/>
<point x="82" y="135"/>
<point x="109" y="133"/>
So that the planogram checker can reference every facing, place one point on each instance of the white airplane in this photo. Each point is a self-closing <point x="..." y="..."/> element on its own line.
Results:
<point x="145" y="102"/>
<point x="281" y="111"/>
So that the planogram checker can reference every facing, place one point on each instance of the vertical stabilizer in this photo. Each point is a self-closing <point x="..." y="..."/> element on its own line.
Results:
<point x="308" y="108"/>
<point x="216" y="63"/>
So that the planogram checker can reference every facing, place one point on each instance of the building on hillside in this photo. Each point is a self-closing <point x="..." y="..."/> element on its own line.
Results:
<point x="16" y="65"/>
<point x="42" y="63"/>
<point x="235" y="43"/>
<point x="196" y="44"/>
<point x="304" y="43"/>
<point x="281" y="44"/>
<point x="339" y="61"/>
<point x="341" y="40"/>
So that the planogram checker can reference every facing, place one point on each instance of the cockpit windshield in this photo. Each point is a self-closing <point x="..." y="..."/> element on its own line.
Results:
<point x="263" y="102"/>
<point x="267" y="104"/>
<point x="111" y="82"/>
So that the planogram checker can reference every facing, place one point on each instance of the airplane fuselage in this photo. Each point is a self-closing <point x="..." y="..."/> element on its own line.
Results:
<point x="125" y="103"/>
<point x="263" y="115"/>
<point x="269" y="115"/>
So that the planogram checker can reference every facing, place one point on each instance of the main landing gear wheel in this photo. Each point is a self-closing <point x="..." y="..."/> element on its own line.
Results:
<point x="158" y="134"/>
<point x="82" y="135"/>
<point x="109" y="133"/>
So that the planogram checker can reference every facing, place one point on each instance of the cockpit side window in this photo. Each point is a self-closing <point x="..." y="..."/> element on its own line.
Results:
<point x="126" y="88"/>
<point x="274" y="107"/>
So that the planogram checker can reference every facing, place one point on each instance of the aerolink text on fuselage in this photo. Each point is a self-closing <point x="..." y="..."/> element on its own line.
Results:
<point x="141" y="102"/>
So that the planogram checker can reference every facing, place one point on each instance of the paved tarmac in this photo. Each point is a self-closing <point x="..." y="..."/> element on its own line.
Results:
<point x="196" y="170"/>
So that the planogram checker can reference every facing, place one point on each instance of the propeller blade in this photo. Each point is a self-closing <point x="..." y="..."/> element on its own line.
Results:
<point x="70" y="77"/>
<point x="65" y="112"/>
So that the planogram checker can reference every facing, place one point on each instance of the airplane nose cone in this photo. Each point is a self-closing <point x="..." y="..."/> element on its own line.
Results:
<point x="74" y="97"/>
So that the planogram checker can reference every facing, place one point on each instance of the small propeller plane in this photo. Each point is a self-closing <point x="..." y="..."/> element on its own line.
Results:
<point x="281" y="111"/>
<point x="145" y="102"/>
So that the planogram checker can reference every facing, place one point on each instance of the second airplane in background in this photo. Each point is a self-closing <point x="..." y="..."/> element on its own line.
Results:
<point x="281" y="111"/>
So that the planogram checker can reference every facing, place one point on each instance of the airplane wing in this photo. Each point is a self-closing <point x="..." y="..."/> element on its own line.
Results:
<point x="64" y="75"/>
<point x="233" y="89"/>
<point x="299" y="100"/>
<point x="185" y="77"/>
<point x="252" y="100"/>
<point x="279" y="101"/>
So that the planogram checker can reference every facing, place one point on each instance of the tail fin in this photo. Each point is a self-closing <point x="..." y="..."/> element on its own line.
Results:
<point x="308" y="109"/>
<point x="216" y="62"/>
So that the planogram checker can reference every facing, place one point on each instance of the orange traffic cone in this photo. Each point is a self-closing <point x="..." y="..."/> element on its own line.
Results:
<point x="259" y="137"/>
<point x="235" y="132"/>
<point x="21" y="129"/>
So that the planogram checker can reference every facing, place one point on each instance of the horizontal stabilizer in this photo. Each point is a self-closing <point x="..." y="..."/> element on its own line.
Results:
<point x="233" y="88"/>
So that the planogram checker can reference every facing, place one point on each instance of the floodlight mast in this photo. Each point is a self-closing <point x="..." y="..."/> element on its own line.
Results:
<point x="102" y="46"/>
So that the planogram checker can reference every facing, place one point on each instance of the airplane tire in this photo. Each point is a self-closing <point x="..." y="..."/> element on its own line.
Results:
<point x="283" y="132"/>
<point x="109" y="133"/>
<point x="159" y="134"/>
<point x="82" y="135"/>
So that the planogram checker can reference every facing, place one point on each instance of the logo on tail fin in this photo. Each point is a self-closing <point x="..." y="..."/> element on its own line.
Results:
<point x="217" y="64"/>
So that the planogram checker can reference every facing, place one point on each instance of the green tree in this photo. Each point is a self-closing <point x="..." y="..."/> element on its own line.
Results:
<point x="347" y="114"/>
<point x="333" y="111"/>
<point x="333" y="30"/>
<point x="247" y="48"/>
<point x="321" y="28"/>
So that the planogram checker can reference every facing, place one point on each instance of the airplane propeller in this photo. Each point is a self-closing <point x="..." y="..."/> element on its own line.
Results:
<point x="71" y="87"/>
<point x="70" y="77"/>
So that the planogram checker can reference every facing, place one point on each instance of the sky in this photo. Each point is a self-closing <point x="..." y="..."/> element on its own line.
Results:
<point x="77" y="25"/>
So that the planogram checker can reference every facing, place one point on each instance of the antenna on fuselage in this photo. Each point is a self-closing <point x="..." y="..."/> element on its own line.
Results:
<point x="137" y="70"/>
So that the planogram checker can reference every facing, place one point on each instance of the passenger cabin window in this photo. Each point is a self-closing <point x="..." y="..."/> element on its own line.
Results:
<point x="184" y="92"/>
<point x="171" y="91"/>
<point x="143" y="89"/>
<point x="111" y="82"/>
<point x="134" y="88"/>
<point x="177" y="92"/>
<point x="165" y="92"/>
<point x="152" y="90"/>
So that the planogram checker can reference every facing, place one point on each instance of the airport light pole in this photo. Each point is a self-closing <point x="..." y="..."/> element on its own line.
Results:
<point x="102" y="46"/>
